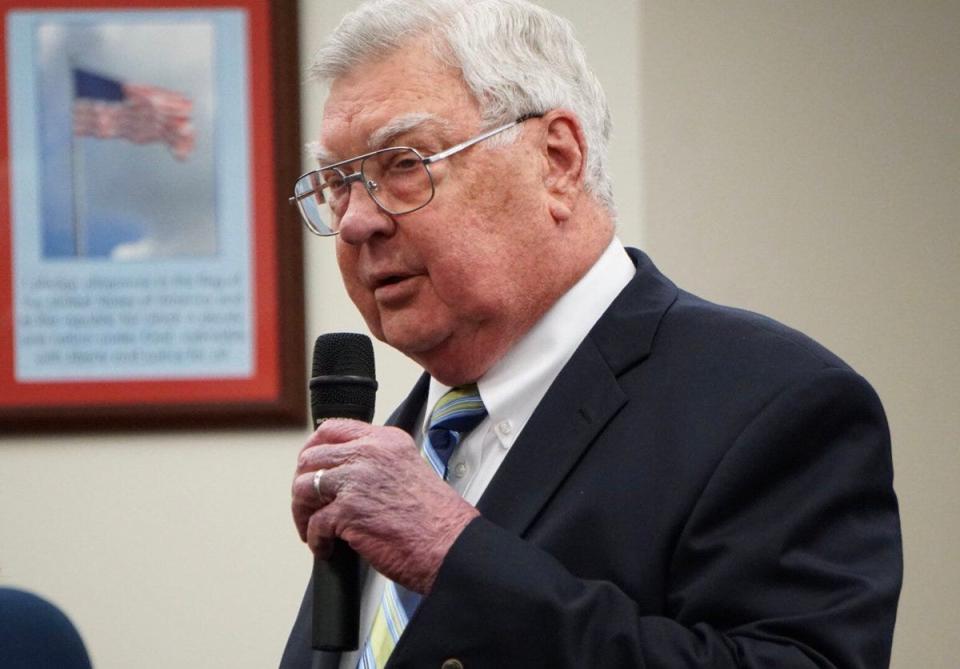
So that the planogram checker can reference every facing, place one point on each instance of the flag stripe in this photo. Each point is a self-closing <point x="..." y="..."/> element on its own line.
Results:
<point x="108" y="109"/>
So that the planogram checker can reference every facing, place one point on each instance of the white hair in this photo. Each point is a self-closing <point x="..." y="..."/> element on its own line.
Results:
<point x="515" y="57"/>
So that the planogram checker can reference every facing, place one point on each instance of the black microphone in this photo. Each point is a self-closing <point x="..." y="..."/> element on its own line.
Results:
<point x="343" y="385"/>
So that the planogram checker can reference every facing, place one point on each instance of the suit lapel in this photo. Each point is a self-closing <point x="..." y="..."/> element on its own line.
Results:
<point x="405" y="416"/>
<point x="581" y="401"/>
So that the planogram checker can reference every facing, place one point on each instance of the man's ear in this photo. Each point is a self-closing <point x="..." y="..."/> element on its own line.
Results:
<point x="565" y="157"/>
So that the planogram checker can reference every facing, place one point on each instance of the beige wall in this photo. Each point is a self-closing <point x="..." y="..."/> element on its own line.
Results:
<point x="798" y="158"/>
<point x="802" y="159"/>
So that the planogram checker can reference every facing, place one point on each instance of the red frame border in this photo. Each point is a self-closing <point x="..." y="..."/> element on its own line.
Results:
<point x="270" y="395"/>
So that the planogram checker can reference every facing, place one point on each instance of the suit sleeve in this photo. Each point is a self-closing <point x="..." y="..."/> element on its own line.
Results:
<point x="790" y="558"/>
<point x="298" y="653"/>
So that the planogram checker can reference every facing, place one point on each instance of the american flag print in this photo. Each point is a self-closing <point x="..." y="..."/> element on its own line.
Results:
<point x="107" y="108"/>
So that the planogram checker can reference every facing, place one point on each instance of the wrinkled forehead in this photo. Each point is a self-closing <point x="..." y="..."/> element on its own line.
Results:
<point x="378" y="101"/>
<point x="387" y="134"/>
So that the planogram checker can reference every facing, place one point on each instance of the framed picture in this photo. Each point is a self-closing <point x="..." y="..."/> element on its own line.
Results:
<point x="150" y="265"/>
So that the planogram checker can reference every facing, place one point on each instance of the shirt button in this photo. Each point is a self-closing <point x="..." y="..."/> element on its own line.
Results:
<point x="504" y="427"/>
<point x="452" y="663"/>
<point x="460" y="470"/>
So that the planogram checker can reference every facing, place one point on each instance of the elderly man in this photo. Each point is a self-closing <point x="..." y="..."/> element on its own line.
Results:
<point x="631" y="477"/>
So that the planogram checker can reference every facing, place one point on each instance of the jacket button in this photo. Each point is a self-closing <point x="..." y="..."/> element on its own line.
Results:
<point x="452" y="663"/>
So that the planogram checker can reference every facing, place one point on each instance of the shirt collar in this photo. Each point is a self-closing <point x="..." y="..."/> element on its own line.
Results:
<point x="514" y="386"/>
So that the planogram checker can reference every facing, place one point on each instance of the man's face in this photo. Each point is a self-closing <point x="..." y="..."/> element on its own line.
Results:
<point x="453" y="284"/>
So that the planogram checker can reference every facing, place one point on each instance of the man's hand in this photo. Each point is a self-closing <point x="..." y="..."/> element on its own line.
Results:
<point x="379" y="495"/>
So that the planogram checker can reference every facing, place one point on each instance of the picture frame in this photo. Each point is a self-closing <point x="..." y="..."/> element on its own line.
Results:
<point x="151" y="269"/>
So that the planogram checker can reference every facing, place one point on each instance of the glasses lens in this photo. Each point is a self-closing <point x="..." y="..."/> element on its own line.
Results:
<point x="322" y="198"/>
<point x="398" y="180"/>
<point x="309" y="197"/>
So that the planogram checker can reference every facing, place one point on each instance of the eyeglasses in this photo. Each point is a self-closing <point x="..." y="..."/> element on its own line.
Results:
<point x="397" y="179"/>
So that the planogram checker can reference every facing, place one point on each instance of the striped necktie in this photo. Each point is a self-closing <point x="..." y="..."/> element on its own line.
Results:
<point x="454" y="415"/>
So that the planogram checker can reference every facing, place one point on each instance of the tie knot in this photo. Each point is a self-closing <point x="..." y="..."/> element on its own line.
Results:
<point x="460" y="409"/>
<point x="455" y="414"/>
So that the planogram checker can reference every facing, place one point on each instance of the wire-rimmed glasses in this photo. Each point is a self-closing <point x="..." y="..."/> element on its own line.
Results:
<point x="397" y="179"/>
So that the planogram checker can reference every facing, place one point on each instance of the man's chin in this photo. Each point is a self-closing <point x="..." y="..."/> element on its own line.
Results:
<point x="412" y="339"/>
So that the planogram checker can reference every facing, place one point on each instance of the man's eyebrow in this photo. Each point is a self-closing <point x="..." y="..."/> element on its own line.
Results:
<point x="396" y="126"/>
<point x="382" y="136"/>
<point x="320" y="153"/>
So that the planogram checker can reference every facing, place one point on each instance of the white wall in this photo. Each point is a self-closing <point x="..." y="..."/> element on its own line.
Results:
<point x="799" y="158"/>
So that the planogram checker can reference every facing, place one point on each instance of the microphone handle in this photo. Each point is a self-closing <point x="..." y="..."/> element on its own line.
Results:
<point x="336" y="580"/>
<point x="336" y="599"/>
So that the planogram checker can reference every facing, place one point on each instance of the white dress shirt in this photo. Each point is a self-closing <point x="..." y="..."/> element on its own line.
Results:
<point x="511" y="391"/>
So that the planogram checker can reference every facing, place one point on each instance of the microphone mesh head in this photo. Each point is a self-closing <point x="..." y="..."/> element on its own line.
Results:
<point x="343" y="353"/>
<point x="344" y="380"/>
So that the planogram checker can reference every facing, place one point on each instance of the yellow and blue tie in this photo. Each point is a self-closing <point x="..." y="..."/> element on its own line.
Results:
<point x="455" y="414"/>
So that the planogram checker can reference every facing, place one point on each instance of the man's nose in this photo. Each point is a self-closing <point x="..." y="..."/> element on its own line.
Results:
<point x="363" y="218"/>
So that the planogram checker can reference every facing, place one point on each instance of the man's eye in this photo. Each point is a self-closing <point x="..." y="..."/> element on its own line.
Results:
<point x="403" y="164"/>
<point x="333" y="180"/>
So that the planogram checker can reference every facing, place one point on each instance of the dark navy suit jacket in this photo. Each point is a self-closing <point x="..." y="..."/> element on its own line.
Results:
<point x="700" y="487"/>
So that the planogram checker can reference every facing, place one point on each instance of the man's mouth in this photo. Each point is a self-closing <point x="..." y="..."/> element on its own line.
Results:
<point x="390" y="280"/>
<point x="393" y="288"/>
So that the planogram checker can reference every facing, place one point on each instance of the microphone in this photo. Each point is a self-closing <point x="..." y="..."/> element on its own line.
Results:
<point x="343" y="385"/>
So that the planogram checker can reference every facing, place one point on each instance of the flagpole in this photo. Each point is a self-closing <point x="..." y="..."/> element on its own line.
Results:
<point x="78" y="179"/>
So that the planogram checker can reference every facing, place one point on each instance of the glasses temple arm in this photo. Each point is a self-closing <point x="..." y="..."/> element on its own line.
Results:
<point x="446" y="153"/>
